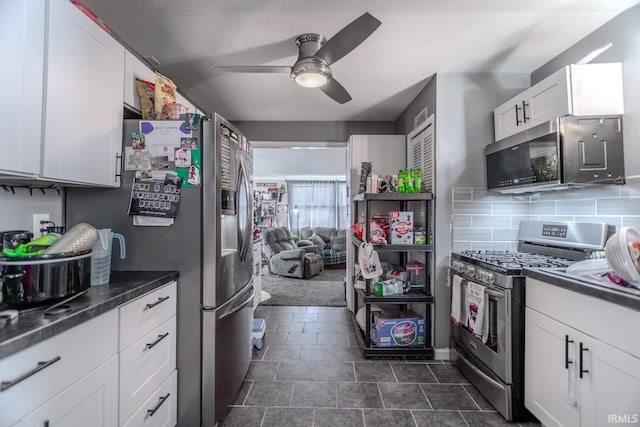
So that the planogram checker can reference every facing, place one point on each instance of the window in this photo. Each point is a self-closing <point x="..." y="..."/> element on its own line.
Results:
<point x="319" y="203"/>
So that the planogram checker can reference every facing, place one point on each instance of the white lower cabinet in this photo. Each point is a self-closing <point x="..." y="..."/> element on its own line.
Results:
<point x="41" y="373"/>
<point x="85" y="376"/>
<point x="161" y="408"/>
<point x="610" y="391"/>
<point x="145" y="365"/>
<point x="148" y="359"/>
<point x="574" y="376"/>
<point x="91" y="401"/>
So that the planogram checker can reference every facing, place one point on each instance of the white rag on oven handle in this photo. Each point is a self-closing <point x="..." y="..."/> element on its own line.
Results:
<point x="456" y="300"/>
<point x="477" y="318"/>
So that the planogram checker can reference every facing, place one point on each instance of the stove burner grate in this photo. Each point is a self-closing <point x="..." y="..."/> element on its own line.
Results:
<point x="514" y="260"/>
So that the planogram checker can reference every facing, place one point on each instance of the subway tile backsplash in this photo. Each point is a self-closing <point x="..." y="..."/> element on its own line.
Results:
<point x="483" y="221"/>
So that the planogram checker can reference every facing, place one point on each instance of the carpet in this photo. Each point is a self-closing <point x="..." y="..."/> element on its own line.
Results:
<point x="324" y="289"/>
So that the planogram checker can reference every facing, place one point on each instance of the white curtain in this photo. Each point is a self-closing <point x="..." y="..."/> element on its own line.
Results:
<point x="319" y="204"/>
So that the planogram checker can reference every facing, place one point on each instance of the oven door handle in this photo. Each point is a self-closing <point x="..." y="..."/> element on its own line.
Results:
<point x="478" y="371"/>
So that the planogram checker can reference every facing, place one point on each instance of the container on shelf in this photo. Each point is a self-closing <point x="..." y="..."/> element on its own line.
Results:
<point x="415" y="269"/>
<point x="419" y="236"/>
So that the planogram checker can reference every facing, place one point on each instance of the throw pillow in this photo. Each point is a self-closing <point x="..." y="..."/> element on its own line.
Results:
<point x="339" y="243"/>
<point x="317" y="240"/>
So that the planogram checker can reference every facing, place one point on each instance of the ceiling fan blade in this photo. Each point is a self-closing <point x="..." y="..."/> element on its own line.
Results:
<point x="335" y="91"/>
<point x="254" y="68"/>
<point x="348" y="38"/>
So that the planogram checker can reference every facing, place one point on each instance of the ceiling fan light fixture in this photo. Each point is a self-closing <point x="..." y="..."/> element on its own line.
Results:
<point x="311" y="73"/>
<point x="311" y="79"/>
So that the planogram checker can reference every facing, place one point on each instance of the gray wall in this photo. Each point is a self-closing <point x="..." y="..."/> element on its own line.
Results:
<point x="464" y="126"/>
<point x="426" y="97"/>
<point x="16" y="210"/>
<point x="624" y="32"/>
<point x="299" y="162"/>
<point x="311" y="131"/>
<point x="463" y="106"/>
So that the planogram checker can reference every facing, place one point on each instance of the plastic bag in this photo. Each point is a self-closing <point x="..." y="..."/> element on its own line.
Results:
<point x="369" y="261"/>
<point x="165" y="93"/>
<point x="146" y="92"/>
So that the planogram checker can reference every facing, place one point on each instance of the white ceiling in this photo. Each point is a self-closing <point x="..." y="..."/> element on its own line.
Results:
<point x="417" y="39"/>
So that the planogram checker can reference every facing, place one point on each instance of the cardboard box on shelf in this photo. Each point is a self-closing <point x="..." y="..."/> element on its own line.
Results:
<point x="402" y="329"/>
<point x="401" y="228"/>
<point x="388" y="287"/>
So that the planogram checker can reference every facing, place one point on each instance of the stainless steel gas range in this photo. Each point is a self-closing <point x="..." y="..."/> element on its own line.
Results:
<point x="492" y="358"/>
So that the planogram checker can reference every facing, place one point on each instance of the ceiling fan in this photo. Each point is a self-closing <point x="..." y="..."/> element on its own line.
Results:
<point x="316" y="54"/>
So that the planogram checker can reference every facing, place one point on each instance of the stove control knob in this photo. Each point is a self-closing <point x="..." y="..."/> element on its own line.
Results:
<point x="470" y="270"/>
<point x="490" y="279"/>
<point x="481" y="275"/>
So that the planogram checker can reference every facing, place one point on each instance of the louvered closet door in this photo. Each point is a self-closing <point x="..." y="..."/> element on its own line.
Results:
<point x="420" y="152"/>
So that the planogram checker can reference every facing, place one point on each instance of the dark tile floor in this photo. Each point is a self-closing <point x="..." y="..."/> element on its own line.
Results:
<point x="310" y="372"/>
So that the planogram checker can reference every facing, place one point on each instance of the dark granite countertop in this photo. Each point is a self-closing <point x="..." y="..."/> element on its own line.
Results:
<point x="31" y="326"/>
<point x="584" y="287"/>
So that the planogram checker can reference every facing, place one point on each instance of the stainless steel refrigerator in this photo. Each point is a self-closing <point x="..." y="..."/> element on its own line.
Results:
<point x="210" y="244"/>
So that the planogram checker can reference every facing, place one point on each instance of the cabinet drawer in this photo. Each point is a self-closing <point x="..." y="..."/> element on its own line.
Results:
<point x="70" y="356"/>
<point x="92" y="401"/>
<point x="142" y="315"/>
<point x="160" y="409"/>
<point x="145" y="365"/>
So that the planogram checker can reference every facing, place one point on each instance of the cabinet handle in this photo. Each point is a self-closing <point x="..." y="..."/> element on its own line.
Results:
<point x="582" y="349"/>
<point x="162" y="399"/>
<point x="160" y="338"/>
<point x="518" y="121"/>
<point x="524" y="112"/>
<point x="156" y="303"/>
<point x="118" y="176"/>
<point x="41" y="365"/>
<point x="566" y="352"/>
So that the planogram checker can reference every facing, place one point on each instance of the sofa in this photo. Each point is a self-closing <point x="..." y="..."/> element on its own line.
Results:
<point x="331" y="242"/>
<point x="288" y="258"/>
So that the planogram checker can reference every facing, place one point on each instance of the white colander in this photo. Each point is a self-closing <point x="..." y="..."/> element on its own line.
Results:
<point x="621" y="256"/>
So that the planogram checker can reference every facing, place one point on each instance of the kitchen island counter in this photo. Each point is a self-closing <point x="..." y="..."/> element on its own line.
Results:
<point x="32" y="326"/>
<point x="575" y="284"/>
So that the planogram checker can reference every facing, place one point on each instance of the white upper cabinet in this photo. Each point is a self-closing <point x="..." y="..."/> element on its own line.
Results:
<point x="22" y="73"/>
<point x="579" y="90"/>
<point x="135" y="69"/>
<point x="83" y="98"/>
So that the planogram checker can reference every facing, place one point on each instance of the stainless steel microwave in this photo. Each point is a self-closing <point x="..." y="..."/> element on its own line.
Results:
<point x="564" y="152"/>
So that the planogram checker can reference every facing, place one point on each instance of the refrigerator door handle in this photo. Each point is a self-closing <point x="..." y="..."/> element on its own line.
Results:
<point x="246" y="234"/>
<point x="241" y="306"/>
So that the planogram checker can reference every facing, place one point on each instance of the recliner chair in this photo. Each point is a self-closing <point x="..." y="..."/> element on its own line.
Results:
<point x="286" y="258"/>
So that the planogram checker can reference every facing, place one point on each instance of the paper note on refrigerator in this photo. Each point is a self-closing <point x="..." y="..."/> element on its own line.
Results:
<point x="163" y="136"/>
